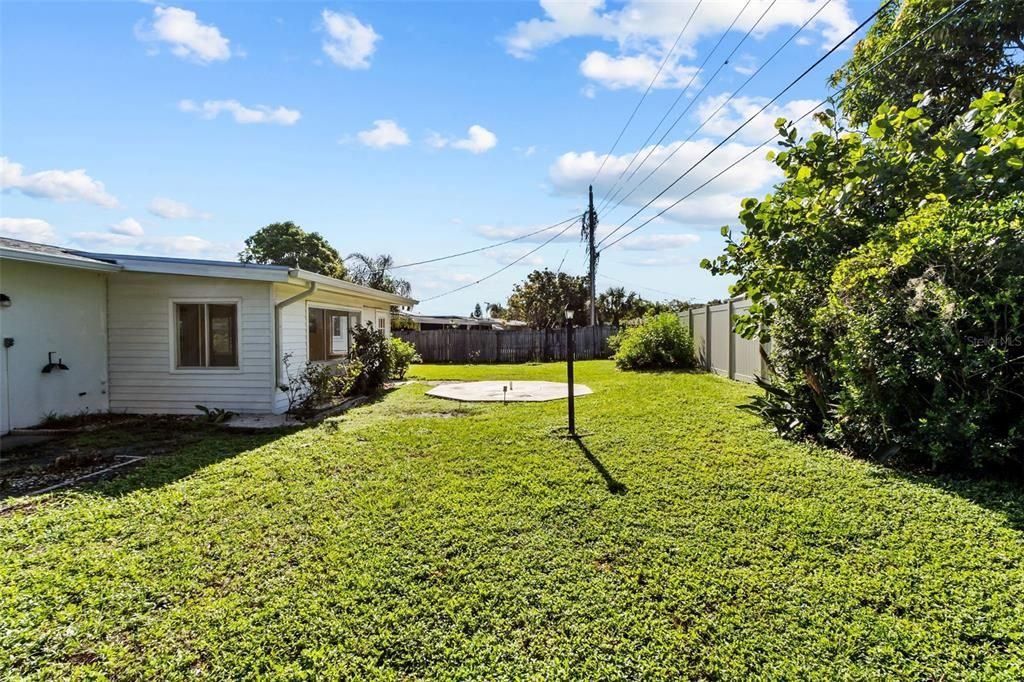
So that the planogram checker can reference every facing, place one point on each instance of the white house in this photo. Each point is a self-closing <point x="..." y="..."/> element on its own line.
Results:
<point x="143" y="334"/>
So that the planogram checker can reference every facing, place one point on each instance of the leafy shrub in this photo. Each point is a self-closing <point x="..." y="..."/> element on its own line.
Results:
<point x="401" y="354"/>
<point x="929" y="327"/>
<point x="658" y="342"/>
<point x="369" y="360"/>
<point x="318" y="383"/>
<point x="850" y="195"/>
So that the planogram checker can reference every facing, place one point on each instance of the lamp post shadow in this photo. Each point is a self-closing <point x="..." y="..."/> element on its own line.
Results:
<point x="614" y="487"/>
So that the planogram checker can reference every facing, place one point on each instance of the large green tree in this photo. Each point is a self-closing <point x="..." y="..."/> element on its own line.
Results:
<point x="288" y="244"/>
<point x="541" y="299"/>
<point x="977" y="49"/>
<point x="375" y="272"/>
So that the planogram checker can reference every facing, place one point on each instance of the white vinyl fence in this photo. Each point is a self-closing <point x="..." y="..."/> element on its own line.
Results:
<point x="720" y="349"/>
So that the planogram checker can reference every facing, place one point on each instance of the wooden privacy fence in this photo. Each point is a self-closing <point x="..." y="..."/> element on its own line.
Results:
<point x="720" y="349"/>
<point x="482" y="346"/>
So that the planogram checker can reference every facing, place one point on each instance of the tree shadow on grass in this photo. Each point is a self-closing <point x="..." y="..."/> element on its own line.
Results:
<point x="614" y="487"/>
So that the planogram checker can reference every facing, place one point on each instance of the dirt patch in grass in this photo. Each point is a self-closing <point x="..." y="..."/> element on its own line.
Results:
<point x="117" y="444"/>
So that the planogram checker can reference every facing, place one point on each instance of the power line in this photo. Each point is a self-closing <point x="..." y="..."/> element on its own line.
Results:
<point x="686" y="109"/>
<point x="503" y="269"/>
<point x="753" y="116"/>
<point x="675" y="102"/>
<point x="644" y="96"/>
<point x="639" y="286"/>
<point x="710" y="117"/>
<point x="482" y="248"/>
<point x="810" y="111"/>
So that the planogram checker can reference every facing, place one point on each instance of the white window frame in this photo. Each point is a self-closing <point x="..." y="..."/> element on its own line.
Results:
<point x="173" y="335"/>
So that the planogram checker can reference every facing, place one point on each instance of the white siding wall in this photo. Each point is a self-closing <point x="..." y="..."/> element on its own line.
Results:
<point x="295" y="333"/>
<point x="53" y="308"/>
<point x="141" y="376"/>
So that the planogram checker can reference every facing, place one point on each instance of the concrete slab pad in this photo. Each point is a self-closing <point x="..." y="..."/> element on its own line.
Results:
<point x="261" y="421"/>
<point x="507" y="391"/>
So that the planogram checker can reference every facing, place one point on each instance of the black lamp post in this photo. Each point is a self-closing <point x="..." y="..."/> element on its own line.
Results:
<point x="570" y="352"/>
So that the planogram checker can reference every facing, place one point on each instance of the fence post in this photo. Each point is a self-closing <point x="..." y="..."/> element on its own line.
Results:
<point x="707" y="338"/>
<point x="732" y="344"/>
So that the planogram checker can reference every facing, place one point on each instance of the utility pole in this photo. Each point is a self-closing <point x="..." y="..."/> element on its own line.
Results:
<point x="589" y="228"/>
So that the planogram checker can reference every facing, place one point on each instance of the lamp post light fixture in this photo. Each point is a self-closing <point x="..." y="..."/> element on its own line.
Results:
<point x="570" y="352"/>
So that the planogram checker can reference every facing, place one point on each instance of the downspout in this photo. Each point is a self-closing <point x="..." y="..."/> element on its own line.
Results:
<point x="277" y="328"/>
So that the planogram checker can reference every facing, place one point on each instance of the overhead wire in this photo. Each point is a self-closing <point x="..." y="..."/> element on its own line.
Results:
<point x="482" y="248"/>
<point x="686" y="109"/>
<point x="728" y="137"/>
<point x="810" y="111"/>
<point x="711" y="117"/>
<point x="644" y="96"/>
<point x="675" y="102"/>
<point x="504" y="268"/>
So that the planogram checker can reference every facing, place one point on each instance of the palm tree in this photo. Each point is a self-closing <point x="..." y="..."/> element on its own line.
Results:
<point x="375" y="272"/>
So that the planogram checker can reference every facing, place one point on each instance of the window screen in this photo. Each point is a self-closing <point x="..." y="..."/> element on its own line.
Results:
<point x="207" y="334"/>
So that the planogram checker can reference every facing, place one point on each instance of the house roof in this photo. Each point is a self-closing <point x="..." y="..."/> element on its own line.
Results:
<point x="16" y="249"/>
<point x="31" y="252"/>
<point x="458" y="320"/>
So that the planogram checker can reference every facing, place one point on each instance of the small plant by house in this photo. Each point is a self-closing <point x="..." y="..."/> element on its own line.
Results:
<point x="657" y="342"/>
<point x="215" y="415"/>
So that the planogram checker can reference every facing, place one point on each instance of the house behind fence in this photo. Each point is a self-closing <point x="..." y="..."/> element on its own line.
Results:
<point x="532" y="345"/>
<point x="720" y="349"/>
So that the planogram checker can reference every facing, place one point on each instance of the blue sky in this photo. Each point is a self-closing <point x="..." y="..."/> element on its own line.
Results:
<point x="416" y="129"/>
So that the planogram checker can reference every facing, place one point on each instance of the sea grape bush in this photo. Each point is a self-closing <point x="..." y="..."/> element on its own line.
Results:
<point x="877" y="243"/>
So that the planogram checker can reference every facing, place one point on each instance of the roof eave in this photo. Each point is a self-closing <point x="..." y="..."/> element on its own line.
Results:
<point x="50" y="259"/>
<point x="352" y="288"/>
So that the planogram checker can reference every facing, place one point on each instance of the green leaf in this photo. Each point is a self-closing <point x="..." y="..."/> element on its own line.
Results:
<point x="803" y="173"/>
<point x="1015" y="162"/>
<point x="875" y="132"/>
<point x="913" y="113"/>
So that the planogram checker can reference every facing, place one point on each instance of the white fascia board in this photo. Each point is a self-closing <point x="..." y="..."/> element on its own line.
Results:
<point x="199" y="269"/>
<point x="52" y="259"/>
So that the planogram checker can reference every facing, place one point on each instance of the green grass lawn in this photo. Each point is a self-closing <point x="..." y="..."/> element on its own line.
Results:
<point x="422" y="538"/>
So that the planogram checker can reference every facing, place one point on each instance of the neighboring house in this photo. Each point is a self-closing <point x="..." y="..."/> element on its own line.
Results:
<point x="142" y="334"/>
<point x="428" y="322"/>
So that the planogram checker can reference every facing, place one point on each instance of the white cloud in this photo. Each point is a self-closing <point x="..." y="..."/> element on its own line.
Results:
<point x="653" y="26"/>
<point x="188" y="37"/>
<point x="350" y="43"/>
<point x="436" y="140"/>
<point x="644" y="31"/>
<point x="588" y="91"/>
<point x="672" y="260"/>
<point x="175" y="210"/>
<point x="477" y="141"/>
<point x="128" y="226"/>
<point x="385" y="133"/>
<point x="739" y="109"/>
<point x="28" y="229"/>
<point x="58" y="185"/>
<point x="259" y="113"/>
<point x="657" y="242"/>
<point x="637" y="71"/>
<point x="719" y="201"/>
<point x="137" y="241"/>
<point x="512" y="254"/>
